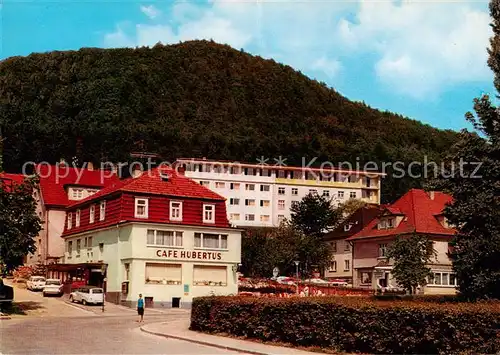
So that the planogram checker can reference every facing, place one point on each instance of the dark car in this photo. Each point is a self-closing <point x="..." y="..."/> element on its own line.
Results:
<point x="6" y="295"/>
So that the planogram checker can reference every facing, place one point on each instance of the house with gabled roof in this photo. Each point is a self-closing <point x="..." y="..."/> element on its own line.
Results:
<point x="157" y="233"/>
<point x="415" y="212"/>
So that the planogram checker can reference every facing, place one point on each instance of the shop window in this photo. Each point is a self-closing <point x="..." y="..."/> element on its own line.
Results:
<point x="208" y="275"/>
<point x="163" y="273"/>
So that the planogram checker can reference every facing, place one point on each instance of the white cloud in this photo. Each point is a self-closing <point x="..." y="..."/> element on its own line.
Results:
<point x="422" y="47"/>
<point x="414" y="48"/>
<point x="150" y="11"/>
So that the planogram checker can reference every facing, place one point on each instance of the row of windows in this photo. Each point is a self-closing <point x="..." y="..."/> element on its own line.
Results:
<point x="266" y="188"/>
<point x="332" y="267"/>
<point x="333" y="246"/>
<point x="102" y="215"/>
<point x="175" y="239"/>
<point x="142" y="211"/>
<point x="308" y="175"/>
<point x="78" y="194"/>
<point x="251" y="217"/>
<point x="87" y="243"/>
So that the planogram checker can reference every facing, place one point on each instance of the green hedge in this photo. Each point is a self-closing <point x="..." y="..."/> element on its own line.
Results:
<point x="355" y="324"/>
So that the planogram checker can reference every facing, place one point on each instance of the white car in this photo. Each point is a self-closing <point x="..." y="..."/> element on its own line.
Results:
<point x="88" y="295"/>
<point x="53" y="287"/>
<point x="35" y="283"/>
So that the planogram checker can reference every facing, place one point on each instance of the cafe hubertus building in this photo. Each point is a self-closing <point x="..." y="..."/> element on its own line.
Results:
<point x="158" y="233"/>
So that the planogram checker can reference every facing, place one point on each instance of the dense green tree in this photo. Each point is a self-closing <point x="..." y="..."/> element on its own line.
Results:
<point x="411" y="255"/>
<point x="197" y="99"/>
<point x="475" y="187"/>
<point x="19" y="224"/>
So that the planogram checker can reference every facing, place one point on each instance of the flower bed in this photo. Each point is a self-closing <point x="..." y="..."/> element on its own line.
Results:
<point x="355" y="324"/>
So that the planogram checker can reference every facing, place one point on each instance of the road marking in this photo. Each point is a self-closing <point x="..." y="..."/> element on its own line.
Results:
<point x="81" y="309"/>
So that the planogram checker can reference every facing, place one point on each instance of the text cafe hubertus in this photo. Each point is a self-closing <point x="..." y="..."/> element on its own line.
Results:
<point x="181" y="254"/>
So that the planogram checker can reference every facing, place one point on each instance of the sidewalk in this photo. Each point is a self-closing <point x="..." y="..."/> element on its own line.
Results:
<point x="180" y="330"/>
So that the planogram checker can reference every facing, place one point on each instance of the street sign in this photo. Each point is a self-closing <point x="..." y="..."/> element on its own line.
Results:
<point x="276" y="272"/>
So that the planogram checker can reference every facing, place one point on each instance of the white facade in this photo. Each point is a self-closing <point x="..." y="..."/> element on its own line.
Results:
<point x="261" y="196"/>
<point x="163" y="274"/>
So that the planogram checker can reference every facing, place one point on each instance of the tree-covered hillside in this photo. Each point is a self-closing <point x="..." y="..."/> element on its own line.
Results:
<point x="193" y="99"/>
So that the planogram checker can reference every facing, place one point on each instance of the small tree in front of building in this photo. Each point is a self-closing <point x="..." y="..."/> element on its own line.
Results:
<point x="411" y="255"/>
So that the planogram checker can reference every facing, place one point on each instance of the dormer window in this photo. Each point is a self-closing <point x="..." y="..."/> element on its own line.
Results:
<point x="77" y="221"/>
<point x="92" y="214"/>
<point x="164" y="176"/>
<point x="386" y="223"/>
<point x="70" y="220"/>
<point x="141" y="208"/>
<point x="208" y="213"/>
<point x="175" y="211"/>
<point x="347" y="227"/>
<point x="102" y="211"/>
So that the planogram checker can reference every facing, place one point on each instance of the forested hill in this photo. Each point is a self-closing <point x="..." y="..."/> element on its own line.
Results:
<point x="196" y="99"/>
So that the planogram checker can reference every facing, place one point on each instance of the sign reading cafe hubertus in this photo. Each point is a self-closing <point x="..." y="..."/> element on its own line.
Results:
<point x="181" y="254"/>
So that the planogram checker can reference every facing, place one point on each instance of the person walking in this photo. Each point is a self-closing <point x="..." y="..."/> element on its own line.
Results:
<point x="140" y="308"/>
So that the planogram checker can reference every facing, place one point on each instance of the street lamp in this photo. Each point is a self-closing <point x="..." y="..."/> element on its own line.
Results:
<point x="103" y="272"/>
<point x="297" y="274"/>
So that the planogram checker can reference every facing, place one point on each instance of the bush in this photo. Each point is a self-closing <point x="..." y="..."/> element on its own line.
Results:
<point x="355" y="324"/>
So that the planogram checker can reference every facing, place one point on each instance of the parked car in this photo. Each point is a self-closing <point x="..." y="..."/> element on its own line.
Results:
<point x="53" y="287"/>
<point x="35" y="283"/>
<point x="87" y="295"/>
<point x="6" y="295"/>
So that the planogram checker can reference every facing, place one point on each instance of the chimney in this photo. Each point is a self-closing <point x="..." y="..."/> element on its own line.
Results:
<point x="431" y="195"/>
<point x="90" y="166"/>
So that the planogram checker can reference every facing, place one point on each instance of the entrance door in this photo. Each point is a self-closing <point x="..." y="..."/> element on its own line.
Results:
<point x="176" y="302"/>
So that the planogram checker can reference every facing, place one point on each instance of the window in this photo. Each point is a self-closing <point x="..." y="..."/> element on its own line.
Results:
<point x="92" y="192"/>
<point x="249" y="171"/>
<point x="382" y="250"/>
<point x="127" y="271"/>
<point x="295" y="204"/>
<point x="281" y="218"/>
<point x="326" y="193"/>
<point x="175" y="211"/>
<point x="102" y="211"/>
<point x="334" y="246"/>
<point x="166" y="274"/>
<point x="347" y="227"/>
<point x="92" y="214"/>
<point x="265" y="188"/>
<point x="249" y="202"/>
<point x="141" y="208"/>
<point x="352" y="194"/>
<point x="448" y="279"/>
<point x="249" y="217"/>
<point x="210" y="241"/>
<point x="250" y="187"/>
<point x="366" y="277"/>
<point x="332" y="267"/>
<point x="205" y="183"/>
<point x="313" y="192"/>
<point x="77" y="218"/>
<point x="88" y="243"/>
<point x="164" y="238"/>
<point x="234" y="216"/>
<point x="386" y="223"/>
<point x="208" y="214"/>
<point x="220" y="185"/>
<point x="209" y="275"/>
<point x="368" y="182"/>
<point x="390" y="223"/>
<point x="234" y="186"/>
<point x="281" y="204"/>
<point x="295" y="191"/>
<point x="78" y="247"/>
<point x="347" y="246"/>
<point x="281" y="190"/>
<point x="264" y="218"/>
<point x="70" y="248"/>
<point x="347" y="265"/>
<point x="265" y="203"/>
<point x="234" y="201"/>
<point x="70" y="220"/>
<point x="341" y="194"/>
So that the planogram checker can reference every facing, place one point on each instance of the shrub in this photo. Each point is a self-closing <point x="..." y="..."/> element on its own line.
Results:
<point x="355" y="324"/>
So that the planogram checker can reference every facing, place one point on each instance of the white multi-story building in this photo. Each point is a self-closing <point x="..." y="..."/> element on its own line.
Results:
<point x="262" y="195"/>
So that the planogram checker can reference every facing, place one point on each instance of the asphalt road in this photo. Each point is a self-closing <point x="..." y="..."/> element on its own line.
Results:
<point x="52" y="326"/>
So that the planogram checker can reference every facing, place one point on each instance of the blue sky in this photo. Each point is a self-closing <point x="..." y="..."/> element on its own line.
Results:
<point x="425" y="60"/>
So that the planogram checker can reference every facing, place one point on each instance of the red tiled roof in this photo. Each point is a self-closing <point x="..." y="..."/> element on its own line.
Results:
<point x="54" y="178"/>
<point x="7" y="180"/>
<point x="419" y="212"/>
<point x="151" y="183"/>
